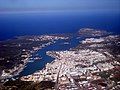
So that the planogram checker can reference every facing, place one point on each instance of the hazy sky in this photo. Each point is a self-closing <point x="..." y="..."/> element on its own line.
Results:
<point x="32" y="5"/>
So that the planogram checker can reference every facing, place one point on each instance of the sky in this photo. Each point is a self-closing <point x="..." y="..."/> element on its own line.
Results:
<point x="42" y="5"/>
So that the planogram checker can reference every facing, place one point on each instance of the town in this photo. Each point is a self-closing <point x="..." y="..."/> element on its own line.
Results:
<point x="93" y="67"/>
<point x="16" y="53"/>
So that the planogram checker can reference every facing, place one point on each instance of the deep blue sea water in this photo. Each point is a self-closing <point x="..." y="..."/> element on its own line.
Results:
<point x="17" y="24"/>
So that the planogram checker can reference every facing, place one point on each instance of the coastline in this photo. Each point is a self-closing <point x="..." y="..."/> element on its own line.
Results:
<point x="85" y="64"/>
<point x="17" y="70"/>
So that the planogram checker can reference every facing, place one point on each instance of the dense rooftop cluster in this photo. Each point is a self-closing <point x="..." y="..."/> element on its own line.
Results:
<point x="75" y="69"/>
<point x="15" y="53"/>
<point x="94" y="64"/>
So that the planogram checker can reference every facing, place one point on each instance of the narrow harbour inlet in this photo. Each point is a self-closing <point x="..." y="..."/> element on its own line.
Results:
<point x="59" y="44"/>
<point x="77" y="62"/>
<point x="40" y="64"/>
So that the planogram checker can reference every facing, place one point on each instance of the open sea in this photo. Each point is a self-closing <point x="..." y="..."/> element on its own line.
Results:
<point x="17" y="24"/>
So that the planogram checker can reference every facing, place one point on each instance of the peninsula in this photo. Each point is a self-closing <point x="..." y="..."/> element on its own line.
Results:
<point x="94" y="64"/>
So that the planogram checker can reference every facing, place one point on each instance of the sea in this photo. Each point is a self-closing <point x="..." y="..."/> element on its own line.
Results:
<point x="36" y="23"/>
<point x="19" y="24"/>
